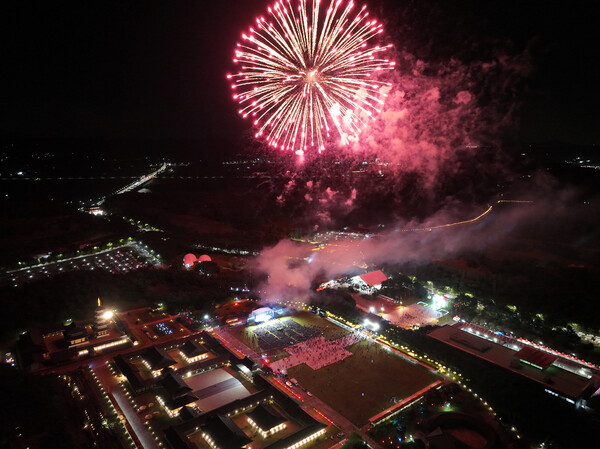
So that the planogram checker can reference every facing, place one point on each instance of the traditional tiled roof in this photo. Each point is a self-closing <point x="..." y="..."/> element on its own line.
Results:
<point x="225" y="434"/>
<point x="265" y="417"/>
<point x="174" y="384"/>
<point x="158" y="358"/>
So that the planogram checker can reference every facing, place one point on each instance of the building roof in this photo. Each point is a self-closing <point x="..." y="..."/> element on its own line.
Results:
<point x="187" y="412"/>
<point x="265" y="417"/>
<point x="566" y="383"/>
<point x="373" y="278"/>
<point x="466" y="339"/>
<point x="244" y="369"/>
<point x="174" y="384"/>
<point x="536" y="357"/>
<point x="158" y="358"/>
<point x="74" y="332"/>
<point x="189" y="259"/>
<point x="292" y="439"/>
<point x="225" y="433"/>
<point x="260" y="310"/>
<point x="180" y="401"/>
<point x="192" y="348"/>
<point x="178" y="440"/>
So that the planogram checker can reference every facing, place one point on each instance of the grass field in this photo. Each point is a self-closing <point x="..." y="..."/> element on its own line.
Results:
<point x="445" y="319"/>
<point x="379" y="374"/>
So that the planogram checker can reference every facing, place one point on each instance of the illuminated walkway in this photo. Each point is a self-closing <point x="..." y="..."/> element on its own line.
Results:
<point x="110" y="384"/>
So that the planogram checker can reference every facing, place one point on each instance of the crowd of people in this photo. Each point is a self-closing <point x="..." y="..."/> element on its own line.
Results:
<point x="318" y="352"/>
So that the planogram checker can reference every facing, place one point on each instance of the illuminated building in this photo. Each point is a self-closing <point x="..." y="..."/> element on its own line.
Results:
<point x="263" y="415"/>
<point x="189" y="260"/>
<point x="369" y="282"/>
<point x="261" y="315"/>
<point x="222" y="428"/>
<point x="265" y="420"/>
<point x="221" y="433"/>
<point x="559" y="374"/>
<point x="192" y="352"/>
<point x="61" y="343"/>
<point x="101" y="321"/>
<point x="75" y="335"/>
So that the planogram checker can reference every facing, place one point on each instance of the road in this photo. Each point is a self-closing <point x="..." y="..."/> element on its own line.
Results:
<point x="142" y="180"/>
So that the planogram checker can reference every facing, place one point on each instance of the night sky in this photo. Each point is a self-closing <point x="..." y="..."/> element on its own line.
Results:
<point x="155" y="70"/>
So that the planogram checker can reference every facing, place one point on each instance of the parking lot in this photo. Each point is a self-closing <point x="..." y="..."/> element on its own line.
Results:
<point x="118" y="260"/>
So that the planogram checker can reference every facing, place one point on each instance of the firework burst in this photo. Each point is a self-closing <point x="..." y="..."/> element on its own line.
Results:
<point x="307" y="73"/>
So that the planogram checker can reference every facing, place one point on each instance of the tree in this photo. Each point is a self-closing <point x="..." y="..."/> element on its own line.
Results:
<point x="420" y="291"/>
<point x="383" y="430"/>
<point x="336" y="301"/>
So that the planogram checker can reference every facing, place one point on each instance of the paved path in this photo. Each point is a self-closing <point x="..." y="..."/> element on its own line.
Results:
<point x="236" y="344"/>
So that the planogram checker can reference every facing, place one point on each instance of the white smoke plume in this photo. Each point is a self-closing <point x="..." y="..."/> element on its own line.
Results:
<point x="292" y="266"/>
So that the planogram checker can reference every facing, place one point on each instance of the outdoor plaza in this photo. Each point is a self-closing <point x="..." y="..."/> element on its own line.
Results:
<point x="318" y="352"/>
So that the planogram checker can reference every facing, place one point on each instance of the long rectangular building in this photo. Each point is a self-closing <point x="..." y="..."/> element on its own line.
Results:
<point x="561" y="376"/>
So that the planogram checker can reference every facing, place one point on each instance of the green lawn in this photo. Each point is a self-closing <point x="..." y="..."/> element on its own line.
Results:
<point x="445" y="319"/>
<point x="379" y="374"/>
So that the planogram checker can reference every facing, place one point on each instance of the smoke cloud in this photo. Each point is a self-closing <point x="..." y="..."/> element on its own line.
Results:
<point x="440" y="134"/>
<point x="292" y="266"/>
<point x="437" y="109"/>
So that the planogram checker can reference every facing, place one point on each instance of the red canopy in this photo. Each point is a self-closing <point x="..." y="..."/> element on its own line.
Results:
<point x="373" y="278"/>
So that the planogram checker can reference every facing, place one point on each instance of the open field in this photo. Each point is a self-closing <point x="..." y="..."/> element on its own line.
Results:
<point x="381" y="376"/>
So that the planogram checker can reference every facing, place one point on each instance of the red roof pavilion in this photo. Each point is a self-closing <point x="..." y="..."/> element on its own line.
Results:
<point x="373" y="278"/>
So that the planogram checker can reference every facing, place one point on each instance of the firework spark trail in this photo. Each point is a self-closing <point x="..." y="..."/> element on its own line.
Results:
<point x="305" y="73"/>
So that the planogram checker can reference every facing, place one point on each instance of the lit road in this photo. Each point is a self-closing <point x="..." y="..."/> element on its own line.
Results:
<point x="141" y="181"/>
